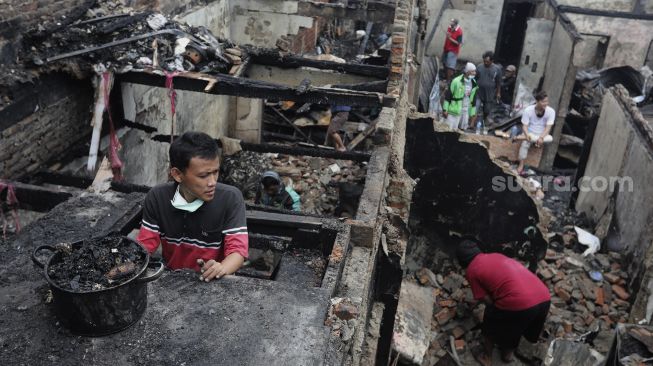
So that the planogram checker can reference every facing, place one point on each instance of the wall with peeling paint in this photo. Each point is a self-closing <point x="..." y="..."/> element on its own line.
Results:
<point x="480" y="28"/>
<point x="629" y="38"/>
<point x="262" y="22"/>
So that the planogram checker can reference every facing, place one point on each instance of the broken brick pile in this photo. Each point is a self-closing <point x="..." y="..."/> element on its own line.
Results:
<point x="578" y="303"/>
<point x="316" y="180"/>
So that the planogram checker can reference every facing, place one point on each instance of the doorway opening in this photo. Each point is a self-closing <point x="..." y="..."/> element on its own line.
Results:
<point x="512" y="31"/>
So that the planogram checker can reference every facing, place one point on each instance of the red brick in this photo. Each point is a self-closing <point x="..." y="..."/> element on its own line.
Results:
<point x="460" y="344"/>
<point x="457" y="332"/>
<point x="600" y="300"/>
<point x="444" y="315"/>
<point x="562" y="293"/>
<point x="620" y="292"/>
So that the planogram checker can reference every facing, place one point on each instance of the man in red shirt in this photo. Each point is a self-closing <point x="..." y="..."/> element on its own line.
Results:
<point x="517" y="302"/>
<point x="452" y="47"/>
<point x="199" y="222"/>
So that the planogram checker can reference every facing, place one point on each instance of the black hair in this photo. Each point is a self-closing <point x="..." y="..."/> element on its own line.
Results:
<point x="489" y="54"/>
<point x="269" y="182"/>
<point x="191" y="145"/>
<point x="539" y="96"/>
<point x="466" y="251"/>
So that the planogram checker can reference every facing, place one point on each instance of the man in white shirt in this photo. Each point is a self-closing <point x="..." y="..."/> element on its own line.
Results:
<point x="537" y="122"/>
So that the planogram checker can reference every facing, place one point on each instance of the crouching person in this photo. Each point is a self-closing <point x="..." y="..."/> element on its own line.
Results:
<point x="199" y="223"/>
<point x="274" y="193"/>
<point x="537" y="122"/>
<point x="516" y="301"/>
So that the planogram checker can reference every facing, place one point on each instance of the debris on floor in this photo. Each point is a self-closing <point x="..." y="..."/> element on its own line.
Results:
<point x="327" y="186"/>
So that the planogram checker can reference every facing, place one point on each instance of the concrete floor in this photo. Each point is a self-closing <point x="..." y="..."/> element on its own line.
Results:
<point x="238" y="320"/>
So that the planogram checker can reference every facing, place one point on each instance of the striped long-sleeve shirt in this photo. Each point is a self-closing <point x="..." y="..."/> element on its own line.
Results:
<point x="217" y="229"/>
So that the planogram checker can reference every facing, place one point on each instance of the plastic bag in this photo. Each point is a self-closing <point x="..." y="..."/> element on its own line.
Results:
<point x="434" y="99"/>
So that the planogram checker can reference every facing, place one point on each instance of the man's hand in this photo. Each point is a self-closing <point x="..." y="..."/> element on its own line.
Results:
<point x="211" y="269"/>
<point x="445" y="114"/>
<point x="539" y="141"/>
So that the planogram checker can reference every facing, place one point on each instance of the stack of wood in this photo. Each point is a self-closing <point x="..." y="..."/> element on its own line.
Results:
<point x="235" y="56"/>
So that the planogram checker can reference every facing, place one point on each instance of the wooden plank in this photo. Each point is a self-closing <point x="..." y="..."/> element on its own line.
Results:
<point x="283" y="220"/>
<point x="273" y="57"/>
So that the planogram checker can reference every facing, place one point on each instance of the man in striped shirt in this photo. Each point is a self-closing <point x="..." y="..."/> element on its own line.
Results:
<point x="199" y="222"/>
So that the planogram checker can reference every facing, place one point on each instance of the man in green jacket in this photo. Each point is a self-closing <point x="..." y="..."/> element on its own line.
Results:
<point x="459" y="106"/>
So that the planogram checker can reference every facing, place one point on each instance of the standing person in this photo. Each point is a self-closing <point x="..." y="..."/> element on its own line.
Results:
<point x="537" y="122"/>
<point x="199" y="222"/>
<point x="508" y="84"/>
<point x="340" y="115"/>
<point x="516" y="301"/>
<point x="489" y="84"/>
<point x="273" y="192"/>
<point x="452" y="45"/>
<point x="459" y="106"/>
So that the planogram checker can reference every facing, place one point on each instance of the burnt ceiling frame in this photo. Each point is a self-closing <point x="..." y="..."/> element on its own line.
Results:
<point x="242" y="87"/>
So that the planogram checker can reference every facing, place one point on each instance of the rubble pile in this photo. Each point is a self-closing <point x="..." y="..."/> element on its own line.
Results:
<point x="124" y="42"/>
<point x="321" y="182"/>
<point x="588" y="295"/>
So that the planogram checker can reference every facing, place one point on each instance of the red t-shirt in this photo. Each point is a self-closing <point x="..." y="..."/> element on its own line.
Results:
<point x="510" y="285"/>
<point x="456" y="34"/>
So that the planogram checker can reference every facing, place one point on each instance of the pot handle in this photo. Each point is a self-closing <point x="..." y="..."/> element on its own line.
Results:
<point x="155" y="276"/>
<point x="35" y="252"/>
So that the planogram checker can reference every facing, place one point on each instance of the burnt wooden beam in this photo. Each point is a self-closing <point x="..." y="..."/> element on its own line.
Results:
<point x="604" y="13"/>
<point x="68" y="180"/>
<point x="273" y="57"/>
<point x="305" y="151"/>
<point x="376" y="11"/>
<point x="229" y="85"/>
<point x="37" y="198"/>
<point x="379" y="86"/>
<point x="287" y="150"/>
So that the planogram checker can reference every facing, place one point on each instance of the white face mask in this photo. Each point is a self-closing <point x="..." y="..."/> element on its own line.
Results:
<point x="180" y="203"/>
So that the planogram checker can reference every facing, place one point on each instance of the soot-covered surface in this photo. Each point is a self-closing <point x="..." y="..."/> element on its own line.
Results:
<point x="96" y="264"/>
<point x="237" y="320"/>
<point x="458" y="190"/>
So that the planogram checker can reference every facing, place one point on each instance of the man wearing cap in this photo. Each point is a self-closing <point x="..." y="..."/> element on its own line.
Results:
<point x="459" y="106"/>
<point x="508" y="84"/>
<point x="452" y="47"/>
<point x="516" y="301"/>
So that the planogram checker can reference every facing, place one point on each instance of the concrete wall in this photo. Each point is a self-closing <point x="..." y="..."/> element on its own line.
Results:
<point x="619" y="149"/>
<point x="248" y="120"/>
<point x="262" y="22"/>
<point x="559" y="79"/>
<point x="480" y="28"/>
<point x="215" y="16"/>
<point x="536" y="50"/>
<point x="629" y="38"/>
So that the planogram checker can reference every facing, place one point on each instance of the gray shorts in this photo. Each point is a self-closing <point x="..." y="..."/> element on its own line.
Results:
<point x="450" y="60"/>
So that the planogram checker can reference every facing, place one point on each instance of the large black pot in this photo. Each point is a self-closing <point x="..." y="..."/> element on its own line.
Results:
<point x="100" y="312"/>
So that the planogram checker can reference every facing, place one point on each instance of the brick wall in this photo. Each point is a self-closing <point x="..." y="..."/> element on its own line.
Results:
<point x="60" y="122"/>
<point x="399" y="49"/>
